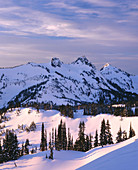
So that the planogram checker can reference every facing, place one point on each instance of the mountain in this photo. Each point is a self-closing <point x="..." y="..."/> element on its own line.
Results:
<point x="61" y="83"/>
<point x="120" y="78"/>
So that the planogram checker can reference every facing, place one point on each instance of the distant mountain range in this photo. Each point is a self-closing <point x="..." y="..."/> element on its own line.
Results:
<point x="60" y="83"/>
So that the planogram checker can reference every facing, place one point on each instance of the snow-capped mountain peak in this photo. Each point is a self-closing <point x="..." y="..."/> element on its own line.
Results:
<point x="120" y="78"/>
<point x="63" y="83"/>
<point x="55" y="62"/>
<point x="83" y="61"/>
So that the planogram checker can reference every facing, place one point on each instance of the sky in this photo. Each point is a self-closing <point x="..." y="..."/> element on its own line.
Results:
<point x="105" y="31"/>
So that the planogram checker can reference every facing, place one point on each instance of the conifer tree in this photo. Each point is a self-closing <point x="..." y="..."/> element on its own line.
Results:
<point x="119" y="135"/>
<point x="1" y="153"/>
<point x="64" y="137"/>
<point x="45" y="139"/>
<point x="96" y="139"/>
<point x="103" y="137"/>
<point x="53" y="137"/>
<point x="87" y="143"/>
<point x="51" y="153"/>
<point x="56" y="140"/>
<point x="124" y="133"/>
<point x="10" y="144"/>
<point x="90" y="139"/>
<point x="108" y="133"/>
<point x="80" y="144"/>
<point x="60" y="135"/>
<point x="50" y="140"/>
<point x="131" y="132"/>
<point x="42" y="144"/>
<point x="69" y="139"/>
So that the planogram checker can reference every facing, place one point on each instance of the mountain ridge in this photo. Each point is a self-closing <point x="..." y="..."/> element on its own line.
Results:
<point x="61" y="83"/>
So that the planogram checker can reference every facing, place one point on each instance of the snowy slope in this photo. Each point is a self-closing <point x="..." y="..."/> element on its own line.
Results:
<point x="121" y="78"/>
<point x="58" y="83"/>
<point x="70" y="160"/>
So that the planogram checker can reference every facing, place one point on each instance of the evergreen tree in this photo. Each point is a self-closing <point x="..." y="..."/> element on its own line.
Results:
<point x="1" y="153"/>
<point x="87" y="143"/>
<point x="103" y="137"/>
<point x="22" y="150"/>
<point x="10" y="144"/>
<point x="69" y="139"/>
<point x="131" y="132"/>
<point x="124" y="133"/>
<point x="119" y="135"/>
<point x="51" y="153"/>
<point x="43" y="144"/>
<point x="60" y="135"/>
<point x="64" y="137"/>
<point x="90" y="139"/>
<point x="45" y="139"/>
<point x="56" y="140"/>
<point x="80" y="144"/>
<point x="96" y="139"/>
<point x="108" y="133"/>
<point x="50" y="140"/>
<point x="53" y="137"/>
<point x="26" y="147"/>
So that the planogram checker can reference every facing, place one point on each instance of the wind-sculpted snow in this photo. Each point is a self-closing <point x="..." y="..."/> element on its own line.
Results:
<point x="61" y="83"/>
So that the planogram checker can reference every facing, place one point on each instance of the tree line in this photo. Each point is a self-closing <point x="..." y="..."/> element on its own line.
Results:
<point x="61" y="139"/>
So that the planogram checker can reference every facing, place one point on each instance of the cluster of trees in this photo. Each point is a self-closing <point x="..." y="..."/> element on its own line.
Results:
<point x="83" y="142"/>
<point x="60" y="140"/>
<point x="57" y="138"/>
<point x="105" y="136"/>
<point x="66" y="110"/>
<point x="9" y="150"/>
<point x="122" y="135"/>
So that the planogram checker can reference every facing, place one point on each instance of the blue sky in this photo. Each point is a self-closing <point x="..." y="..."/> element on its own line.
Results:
<point x="37" y="30"/>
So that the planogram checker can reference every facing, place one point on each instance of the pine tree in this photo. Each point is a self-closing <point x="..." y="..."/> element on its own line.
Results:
<point x="96" y="139"/>
<point x="43" y="143"/>
<point x="60" y="135"/>
<point x="90" y="139"/>
<point x="26" y="147"/>
<point x="50" y="140"/>
<point x="131" y="132"/>
<point x="51" y="153"/>
<point x="108" y="133"/>
<point x="87" y="143"/>
<point x="1" y="153"/>
<point x="10" y="144"/>
<point x="56" y="140"/>
<point x="64" y="137"/>
<point x="53" y="138"/>
<point x="80" y="144"/>
<point x="124" y="133"/>
<point x="69" y="139"/>
<point x="103" y="137"/>
<point x="119" y="135"/>
<point x="45" y="139"/>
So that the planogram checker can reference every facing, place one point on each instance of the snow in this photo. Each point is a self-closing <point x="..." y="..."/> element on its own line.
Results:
<point x="121" y="78"/>
<point x="62" y="83"/>
<point x="123" y="155"/>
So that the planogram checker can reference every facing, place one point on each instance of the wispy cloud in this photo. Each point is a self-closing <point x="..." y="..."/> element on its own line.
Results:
<point x="68" y="28"/>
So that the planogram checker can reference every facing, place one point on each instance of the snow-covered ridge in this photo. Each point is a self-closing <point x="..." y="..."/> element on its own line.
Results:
<point x="124" y="80"/>
<point x="62" y="83"/>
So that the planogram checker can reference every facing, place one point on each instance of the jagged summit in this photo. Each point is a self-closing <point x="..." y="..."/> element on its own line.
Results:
<point x="62" y="84"/>
<point x="55" y="62"/>
<point x="83" y="60"/>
